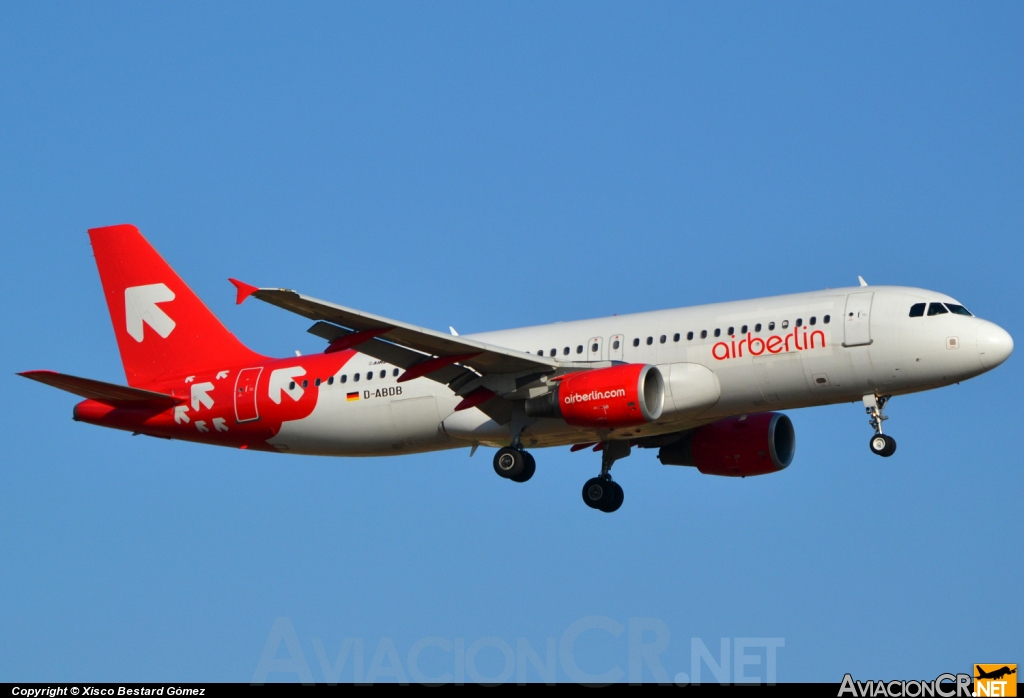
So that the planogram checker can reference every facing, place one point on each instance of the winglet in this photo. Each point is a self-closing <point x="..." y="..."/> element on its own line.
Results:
<point x="244" y="290"/>
<point x="862" y="281"/>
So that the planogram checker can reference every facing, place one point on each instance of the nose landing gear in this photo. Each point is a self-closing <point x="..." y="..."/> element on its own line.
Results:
<point x="881" y="444"/>
<point x="601" y="492"/>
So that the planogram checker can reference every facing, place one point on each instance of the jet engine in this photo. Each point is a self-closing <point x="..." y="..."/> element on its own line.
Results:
<point x="757" y="444"/>
<point x="604" y="398"/>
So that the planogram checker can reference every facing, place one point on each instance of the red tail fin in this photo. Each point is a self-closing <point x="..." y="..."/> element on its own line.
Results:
<point x="163" y="329"/>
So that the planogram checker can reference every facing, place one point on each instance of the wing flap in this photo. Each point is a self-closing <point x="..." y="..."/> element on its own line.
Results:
<point x="488" y="359"/>
<point x="109" y="393"/>
<point x="388" y="353"/>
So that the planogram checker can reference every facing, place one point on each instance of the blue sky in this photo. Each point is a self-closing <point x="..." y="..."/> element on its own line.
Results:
<point x="489" y="165"/>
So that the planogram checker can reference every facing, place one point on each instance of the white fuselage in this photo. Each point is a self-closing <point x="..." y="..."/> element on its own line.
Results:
<point x="717" y="360"/>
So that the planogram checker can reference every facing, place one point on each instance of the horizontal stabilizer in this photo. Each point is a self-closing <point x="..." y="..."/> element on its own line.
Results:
<point x="109" y="393"/>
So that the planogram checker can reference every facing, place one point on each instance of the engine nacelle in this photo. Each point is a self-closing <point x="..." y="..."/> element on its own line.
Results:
<point x="605" y="398"/>
<point x="757" y="445"/>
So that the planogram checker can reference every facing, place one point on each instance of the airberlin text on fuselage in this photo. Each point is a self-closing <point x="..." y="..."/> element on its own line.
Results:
<point x="773" y="345"/>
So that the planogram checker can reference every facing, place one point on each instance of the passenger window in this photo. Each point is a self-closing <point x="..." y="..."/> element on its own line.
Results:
<point x="662" y="340"/>
<point x="395" y="373"/>
<point x="675" y="337"/>
<point x="317" y="382"/>
<point x="383" y="374"/>
<point x="636" y="342"/>
<point x="799" y="321"/>
<point x="936" y="309"/>
<point x="650" y="341"/>
<point x="917" y="310"/>
<point x="291" y="386"/>
<point x="330" y="381"/>
<point x="785" y="324"/>
<point x="565" y="351"/>
<point x="718" y="332"/>
<point x="826" y="319"/>
<point x="689" y="336"/>
<point x="305" y="384"/>
<point x="540" y="352"/>
<point x="615" y="344"/>
<point x="771" y="326"/>
<point x="369" y="375"/>
<point x="344" y="377"/>
<point x="703" y="334"/>
<point x="356" y="377"/>
<point x="579" y="349"/>
<point x="814" y="321"/>
<point x="757" y="327"/>
<point x="958" y="309"/>
<point x="553" y="352"/>
<point x="594" y="347"/>
<point x="731" y="332"/>
<point x="743" y="330"/>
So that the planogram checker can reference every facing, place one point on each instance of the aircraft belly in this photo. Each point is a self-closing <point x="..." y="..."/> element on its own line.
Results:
<point x="364" y="427"/>
<point x="473" y="426"/>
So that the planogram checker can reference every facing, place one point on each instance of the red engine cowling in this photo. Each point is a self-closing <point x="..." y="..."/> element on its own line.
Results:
<point x="757" y="445"/>
<point x="605" y="398"/>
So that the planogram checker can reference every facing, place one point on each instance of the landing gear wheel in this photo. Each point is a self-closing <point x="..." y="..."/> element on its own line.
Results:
<point x="616" y="496"/>
<point x="602" y="494"/>
<point x="529" y="468"/>
<point x="883" y="445"/>
<point x="594" y="492"/>
<point x="509" y="463"/>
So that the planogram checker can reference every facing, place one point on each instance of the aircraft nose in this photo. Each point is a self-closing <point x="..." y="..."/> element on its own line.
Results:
<point x="994" y="344"/>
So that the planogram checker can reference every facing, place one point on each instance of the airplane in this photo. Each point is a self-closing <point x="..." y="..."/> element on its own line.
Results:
<point x="996" y="674"/>
<point x="704" y="385"/>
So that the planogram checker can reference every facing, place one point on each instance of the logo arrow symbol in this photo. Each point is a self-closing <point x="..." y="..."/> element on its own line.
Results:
<point x="181" y="414"/>
<point x="280" y="381"/>
<point x="140" y="306"/>
<point x="200" y="396"/>
<point x="219" y="425"/>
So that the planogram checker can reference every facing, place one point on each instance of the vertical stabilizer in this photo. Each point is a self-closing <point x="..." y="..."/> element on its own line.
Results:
<point x="163" y="330"/>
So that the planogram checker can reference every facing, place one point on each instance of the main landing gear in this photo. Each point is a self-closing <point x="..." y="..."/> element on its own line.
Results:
<point x="881" y="444"/>
<point x="601" y="492"/>
<point x="514" y="464"/>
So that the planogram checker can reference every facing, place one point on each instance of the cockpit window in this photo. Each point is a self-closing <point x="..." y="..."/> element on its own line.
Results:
<point x="917" y="309"/>
<point x="958" y="309"/>
<point x="936" y="309"/>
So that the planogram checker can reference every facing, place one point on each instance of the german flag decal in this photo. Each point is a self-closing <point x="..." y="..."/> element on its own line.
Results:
<point x="353" y="396"/>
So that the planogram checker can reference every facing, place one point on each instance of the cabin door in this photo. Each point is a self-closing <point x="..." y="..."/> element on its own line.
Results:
<point x="857" y="320"/>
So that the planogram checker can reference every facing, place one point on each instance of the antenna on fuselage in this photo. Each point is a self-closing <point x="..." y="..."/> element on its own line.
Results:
<point x="862" y="281"/>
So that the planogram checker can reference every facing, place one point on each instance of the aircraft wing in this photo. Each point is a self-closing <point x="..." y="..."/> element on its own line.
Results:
<point x="109" y="393"/>
<point x="371" y="332"/>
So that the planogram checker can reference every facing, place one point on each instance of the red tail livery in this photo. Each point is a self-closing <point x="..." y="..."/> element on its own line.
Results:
<point x="163" y="330"/>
